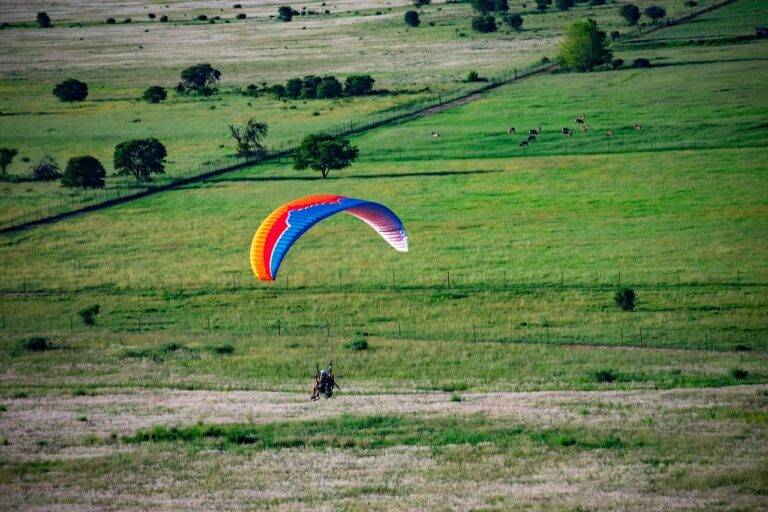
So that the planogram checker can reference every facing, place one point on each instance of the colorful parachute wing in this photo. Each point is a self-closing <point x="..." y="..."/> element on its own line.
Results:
<point x="287" y="223"/>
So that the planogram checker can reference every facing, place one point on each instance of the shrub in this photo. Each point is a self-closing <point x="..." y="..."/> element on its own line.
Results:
<point x="251" y="90"/>
<point x="739" y="373"/>
<point x="515" y="21"/>
<point x="293" y="88"/>
<point x="155" y="94"/>
<point x="285" y="13"/>
<point x="309" y="86"/>
<point x="140" y="158"/>
<point x="617" y="63"/>
<point x="641" y="63"/>
<point x="615" y="35"/>
<point x="596" y="2"/>
<point x="151" y="16"/>
<point x="127" y="20"/>
<point x="485" y="23"/>
<point x="487" y="6"/>
<point x="542" y="5"/>
<point x="43" y="20"/>
<point x="455" y="397"/>
<point x="237" y="6"/>
<point x="625" y="299"/>
<point x="473" y="76"/>
<point x="630" y="12"/>
<point x="71" y="90"/>
<point x="36" y="344"/>
<point x="421" y="3"/>
<point x="742" y="348"/>
<point x="277" y="90"/>
<point x="329" y="87"/>
<point x="6" y="158"/>
<point x="241" y="16"/>
<point x="359" y="343"/>
<point x="163" y="19"/>
<point x="564" y="5"/>
<point x="46" y="169"/>
<point x="501" y="5"/>
<point x="655" y="12"/>
<point x="111" y="21"/>
<point x="412" y="19"/>
<point x="223" y="350"/>
<point x="88" y="315"/>
<point x="358" y="85"/>
<point x="584" y="47"/>
<point x="202" y="17"/>
<point x="604" y="376"/>
<point x="85" y="172"/>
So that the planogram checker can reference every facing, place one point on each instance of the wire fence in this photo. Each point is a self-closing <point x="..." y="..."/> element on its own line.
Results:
<point x="639" y="30"/>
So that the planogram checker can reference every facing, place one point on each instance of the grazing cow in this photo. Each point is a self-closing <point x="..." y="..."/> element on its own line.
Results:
<point x="531" y="138"/>
<point x="609" y="133"/>
<point x="535" y="131"/>
<point x="523" y="143"/>
<point x="435" y="135"/>
<point x="580" y="119"/>
<point x="511" y="130"/>
<point x="567" y="132"/>
<point x="637" y="126"/>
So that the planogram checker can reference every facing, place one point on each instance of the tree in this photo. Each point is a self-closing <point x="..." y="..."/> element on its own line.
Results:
<point x="421" y="3"/>
<point x="71" y="90"/>
<point x="293" y="88"/>
<point x="358" y="85"/>
<point x="485" y="23"/>
<point x="691" y="4"/>
<point x="111" y="21"/>
<point x="584" y="46"/>
<point x="625" y="299"/>
<point x="655" y="12"/>
<point x="564" y="5"/>
<point x="309" y="86"/>
<point x="515" y="21"/>
<point x="88" y="315"/>
<point x="324" y="153"/>
<point x="140" y="158"/>
<point x="85" y="172"/>
<point x="155" y="94"/>
<point x="285" y="13"/>
<point x="43" y="20"/>
<point x="631" y="13"/>
<point x="542" y="5"/>
<point x="329" y="88"/>
<point x="46" y="169"/>
<point x="248" y="137"/>
<point x="501" y="6"/>
<point x="6" y="157"/>
<point x="412" y="18"/>
<point x="200" y="78"/>
<point x="483" y="6"/>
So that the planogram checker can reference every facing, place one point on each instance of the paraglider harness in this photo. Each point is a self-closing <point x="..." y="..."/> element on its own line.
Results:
<point x="324" y="383"/>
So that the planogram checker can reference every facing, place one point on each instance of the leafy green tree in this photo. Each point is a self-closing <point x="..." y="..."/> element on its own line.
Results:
<point x="293" y="88"/>
<point x="85" y="172"/>
<point x="200" y="78"/>
<point x="485" y="23"/>
<point x="155" y="94"/>
<point x="584" y="46"/>
<point x="358" y="85"/>
<point x="412" y="19"/>
<point x="564" y="5"/>
<point x="6" y="158"/>
<point x="655" y="12"/>
<point x="140" y="158"/>
<point x="515" y="21"/>
<point x="43" y="20"/>
<point x="71" y="90"/>
<point x="329" y="88"/>
<point x="483" y="6"/>
<point x="631" y="13"/>
<point x="324" y="153"/>
<point x="285" y="13"/>
<point x="248" y="137"/>
<point x="46" y="169"/>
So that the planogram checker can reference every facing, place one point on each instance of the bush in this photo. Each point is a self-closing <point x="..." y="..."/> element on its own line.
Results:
<point x="630" y="12"/>
<point x="615" y="35"/>
<point x="293" y="88"/>
<point x="83" y="171"/>
<point x="237" y="6"/>
<point x="617" y="63"/>
<point x="127" y="20"/>
<point x="241" y="16"/>
<point x="202" y="17"/>
<point x="328" y="88"/>
<point x="641" y="63"/>
<point x="542" y="5"/>
<point x="151" y="16"/>
<point x="111" y="21"/>
<point x="251" y="90"/>
<point x="359" y="343"/>
<point x="155" y="94"/>
<point x="596" y="2"/>
<point x="455" y="397"/>
<point x="71" y="90"/>
<point x="88" y="315"/>
<point x="163" y="19"/>
<point x="625" y="299"/>
<point x="485" y="24"/>
<point x="222" y="350"/>
<point x="564" y="5"/>
<point x="584" y="47"/>
<point x="604" y="376"/>
<point x="412" y="19"/>
<point x="285" y="13"/>
<point x="421" y="3"/>
<point x="515" y="21"/>
<point x="277" y="90"/>
<point x="46" y="169"/>
<point x="655" y="12"/>
<point x="43" y="20"/>
<point x="739" y="373"/>
<point x="6" y="158"/>
<point x="140" y="158"/>
<point x="473" y="76"/>
<point x="358" y="85"/>
<point x="36" y="344"/>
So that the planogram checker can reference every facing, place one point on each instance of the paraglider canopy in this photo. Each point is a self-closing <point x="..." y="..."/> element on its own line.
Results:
<point x="278" y="232"/>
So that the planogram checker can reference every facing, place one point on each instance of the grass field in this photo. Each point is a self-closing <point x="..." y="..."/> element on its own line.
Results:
<point x="499" y="375"/>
